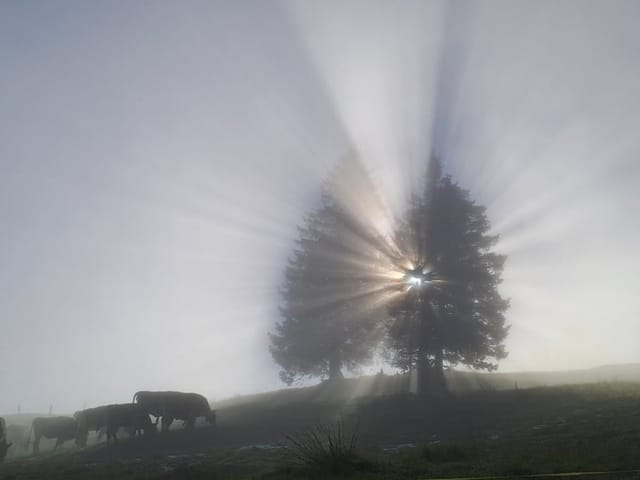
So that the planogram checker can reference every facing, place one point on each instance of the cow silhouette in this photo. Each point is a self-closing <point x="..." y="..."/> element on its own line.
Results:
<point x="170" y="406"/>
<point x="60" y="428"/>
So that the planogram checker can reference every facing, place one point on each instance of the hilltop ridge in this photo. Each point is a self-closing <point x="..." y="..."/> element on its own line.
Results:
<point x="458" y="381"/>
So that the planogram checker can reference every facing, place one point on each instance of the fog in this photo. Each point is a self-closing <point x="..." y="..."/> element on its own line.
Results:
<point x="156" y="159"/>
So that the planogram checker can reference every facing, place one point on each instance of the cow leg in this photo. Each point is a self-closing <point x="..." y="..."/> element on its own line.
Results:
<point x="36" y="444"/>
<point x="81" y="439"/>
<point x="4" y="446"/>
<point x="59" y="443"/>
<point x="166" y="423"/>
<point x="111" y="434"/>
<point x="191" y="422"/>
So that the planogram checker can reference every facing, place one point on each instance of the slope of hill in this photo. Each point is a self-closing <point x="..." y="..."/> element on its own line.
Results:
<point x="506" y="432"/>
<point x="458" y="381"/>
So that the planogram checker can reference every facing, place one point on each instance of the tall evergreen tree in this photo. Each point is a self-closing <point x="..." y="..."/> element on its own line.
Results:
<point x="330" y="317"/>
<point x="446" y="309"/>
<point x="452" y="311"/>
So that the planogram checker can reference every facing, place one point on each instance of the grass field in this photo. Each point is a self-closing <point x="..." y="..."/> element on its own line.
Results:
<point x="545" y="430"/>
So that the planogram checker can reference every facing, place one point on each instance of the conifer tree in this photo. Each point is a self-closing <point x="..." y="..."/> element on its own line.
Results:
<point x="452" y="312"/>
<point x="330" y="320"/>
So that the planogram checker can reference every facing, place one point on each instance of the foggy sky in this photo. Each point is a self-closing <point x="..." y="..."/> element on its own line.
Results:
<point x="156" y="158"/>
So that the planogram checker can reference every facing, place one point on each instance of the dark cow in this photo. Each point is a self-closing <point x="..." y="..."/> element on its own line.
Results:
<point x="90" y="419"/>
<point x="4" y="445"/>
<point x="60" y="428"/>
<point x="127" y="415"/>
<point x="172" y="406"/>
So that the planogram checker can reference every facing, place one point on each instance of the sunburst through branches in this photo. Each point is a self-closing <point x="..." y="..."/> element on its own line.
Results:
<point x="422" y="287"/>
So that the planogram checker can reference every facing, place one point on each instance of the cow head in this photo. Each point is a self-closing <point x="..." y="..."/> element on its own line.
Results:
<point x="4" y="446"/>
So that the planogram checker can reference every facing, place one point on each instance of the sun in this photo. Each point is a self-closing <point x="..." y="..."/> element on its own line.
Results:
<point x="418" y="276"/>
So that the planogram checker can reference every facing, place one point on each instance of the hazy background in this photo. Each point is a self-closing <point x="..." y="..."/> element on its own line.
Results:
<point x="156" y="158"/>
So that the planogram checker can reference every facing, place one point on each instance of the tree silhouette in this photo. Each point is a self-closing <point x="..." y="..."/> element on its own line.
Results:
<point x="452" y="311"/>
<point x="330" y="315"/>
<point x="429" y="286"/>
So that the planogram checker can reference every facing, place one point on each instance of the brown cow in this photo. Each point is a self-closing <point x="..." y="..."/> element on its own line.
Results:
<point x="60" y="428"/>
<point x="90" y="419"/>
<point x="127" y="415"/>
<point x="175" y="406"/>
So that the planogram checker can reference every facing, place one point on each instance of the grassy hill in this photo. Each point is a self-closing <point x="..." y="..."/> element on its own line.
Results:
<point x="485" y="427"/>
<point x="577" y="428"/>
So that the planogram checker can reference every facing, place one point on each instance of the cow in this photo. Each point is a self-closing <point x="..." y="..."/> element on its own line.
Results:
<point x="60" y="428"/>
<point x="172" y="406"/>
<point x="127" y="415"/>
<point x="90" y="419"/>
<point x="4" y="445"/>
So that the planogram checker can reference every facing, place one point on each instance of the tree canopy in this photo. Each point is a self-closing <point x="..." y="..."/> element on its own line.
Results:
<point x="457" y="315"/>
<point x="429" y="288"/>
<point x="328" y="318"/>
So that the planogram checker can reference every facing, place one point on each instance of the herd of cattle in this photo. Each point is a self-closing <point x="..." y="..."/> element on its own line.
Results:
<point x="133" y="417"/>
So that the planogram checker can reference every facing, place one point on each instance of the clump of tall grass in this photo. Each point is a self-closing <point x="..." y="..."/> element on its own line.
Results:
<point x="326" y="448"/>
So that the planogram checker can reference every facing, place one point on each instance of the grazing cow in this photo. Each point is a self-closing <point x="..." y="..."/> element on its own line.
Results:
<point x="90" y="419"/>
<point x="175" y="405"/>
<point x="127" y="415"/>
<point x="4" y="446"/>
<point x="60" y="428"/>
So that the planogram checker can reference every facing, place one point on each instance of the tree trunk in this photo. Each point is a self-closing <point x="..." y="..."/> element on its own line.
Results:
<point x="439" y="384"/>
<point x="424" y="373"/>
<point x="431" y="379"/>
<point x="424" y="367"/>
<point x="335" y="368"/>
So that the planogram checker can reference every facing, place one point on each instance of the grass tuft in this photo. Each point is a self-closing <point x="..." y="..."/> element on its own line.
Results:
<point x="327" y="449"/>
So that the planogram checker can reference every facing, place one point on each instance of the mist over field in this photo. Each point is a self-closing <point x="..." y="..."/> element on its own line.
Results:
<point x="158" y="158"/>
